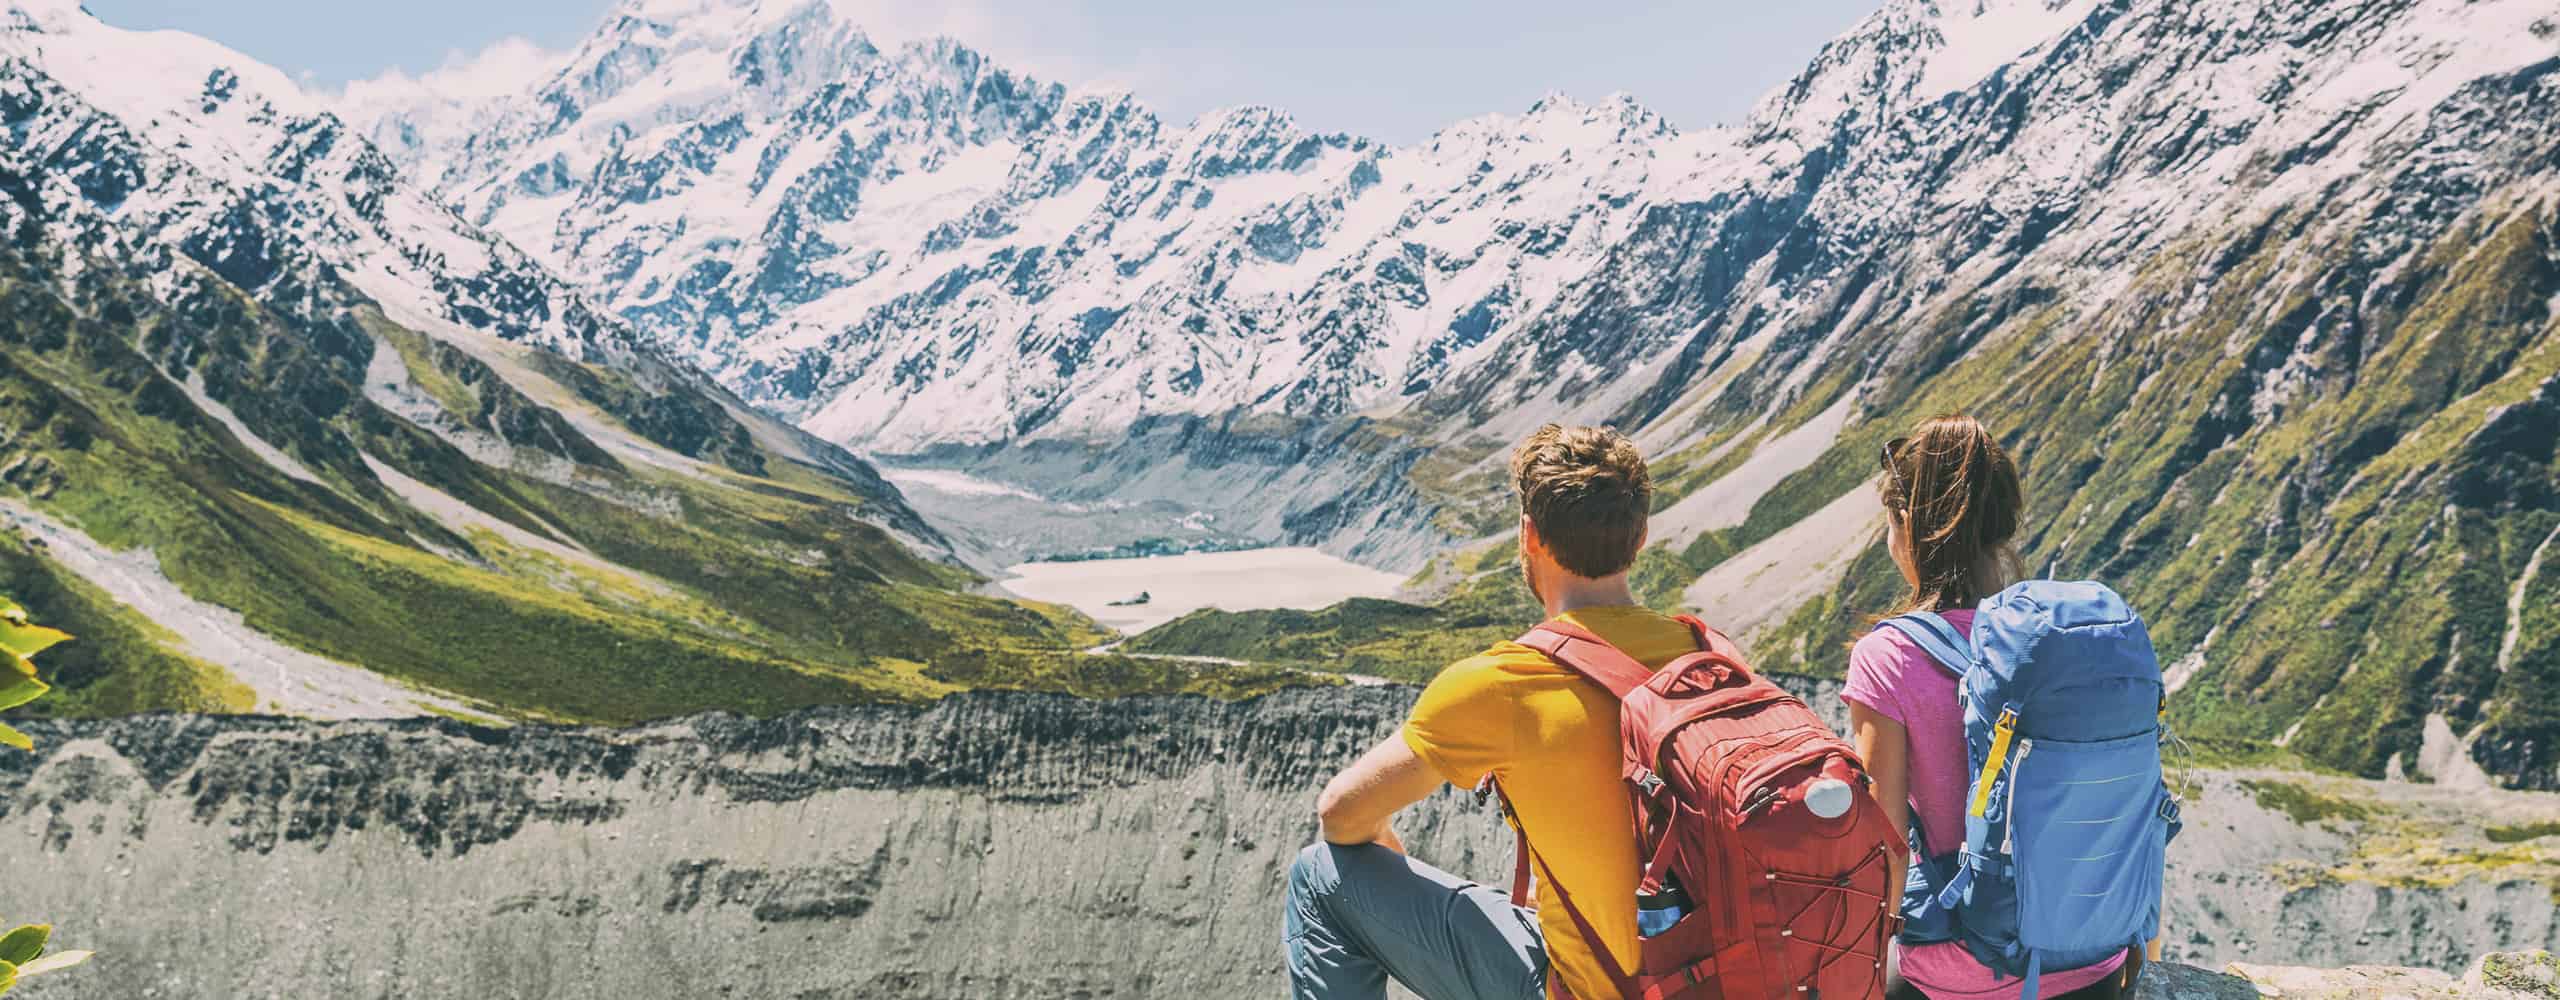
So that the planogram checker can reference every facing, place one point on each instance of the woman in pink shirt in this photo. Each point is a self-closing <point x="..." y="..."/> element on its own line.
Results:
<point x="1951" y="505"/>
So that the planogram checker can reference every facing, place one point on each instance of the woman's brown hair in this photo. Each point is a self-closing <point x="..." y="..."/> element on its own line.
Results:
<point x="1956" y="491"/>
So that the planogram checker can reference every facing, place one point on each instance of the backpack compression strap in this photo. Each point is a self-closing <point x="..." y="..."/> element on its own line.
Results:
<point x="1588" y="655"/>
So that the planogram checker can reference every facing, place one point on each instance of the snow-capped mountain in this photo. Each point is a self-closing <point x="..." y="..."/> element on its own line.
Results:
<point x="244" y="127"/>
<point x="909" y="247"/>
<point x="910" y="250"/>
<point x="280" y="433"/>
<point x="182" y="154"/>
<point x="2263" y="292"/>
<point x="2236" y="276"/>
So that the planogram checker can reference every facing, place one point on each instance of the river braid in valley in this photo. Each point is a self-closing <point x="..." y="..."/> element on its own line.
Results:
<point x="986" y="845"/>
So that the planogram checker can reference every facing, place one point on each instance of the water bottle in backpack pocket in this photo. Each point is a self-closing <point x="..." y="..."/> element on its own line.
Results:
<point x="1660" y="909"/>
<point x="2067" y="818"/>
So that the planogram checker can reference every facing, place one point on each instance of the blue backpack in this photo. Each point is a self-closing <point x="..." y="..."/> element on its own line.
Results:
<point x="2067" y="819"/>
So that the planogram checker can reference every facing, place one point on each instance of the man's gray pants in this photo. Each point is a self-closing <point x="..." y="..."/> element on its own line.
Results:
<point x="1359" y="915"/>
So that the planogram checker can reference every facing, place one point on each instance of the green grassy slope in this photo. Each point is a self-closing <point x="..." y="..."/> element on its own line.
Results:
<point x="2342" y="551"/>
<point x="593" y="587"/>
<point x="2343" y="560"/>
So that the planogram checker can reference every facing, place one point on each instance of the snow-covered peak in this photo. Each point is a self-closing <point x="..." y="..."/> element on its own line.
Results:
<point x="48" y="15"/>
<point x="1243" y="137"/>
<point x="1909" y="53"/>
<point x="789" y="218"/>
<point x="1555" y="125"/>
<point x="1618" y="116"/>
<point x="186" y="78"/>
<point x="1976" y="37"/>
<point x="712" y="17"/>
<point x="176" y="88"/>
<point x="225" y="160"/>
<point x="908" y="246"/>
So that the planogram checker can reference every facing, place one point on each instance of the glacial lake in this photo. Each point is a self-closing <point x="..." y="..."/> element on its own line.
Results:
<point x="1245" y="580"/>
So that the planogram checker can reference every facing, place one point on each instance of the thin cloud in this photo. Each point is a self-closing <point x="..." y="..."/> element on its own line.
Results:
<point x="1040" y="40"/>
<point x="1058" y="41"/>
<point x="1052" y="41"/>
<point x="510" y="65"/>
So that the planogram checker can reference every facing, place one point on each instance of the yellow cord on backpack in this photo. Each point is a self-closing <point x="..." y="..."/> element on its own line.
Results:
<point x="2000" y="734"/>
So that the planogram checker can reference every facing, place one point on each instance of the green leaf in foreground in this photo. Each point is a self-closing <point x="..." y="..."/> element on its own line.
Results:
<point x="22" y="949"/>
<point x="19" y="689"/>
<point x="28" y="640"/>
<point x="22" y="945"/>
<point x="18" y="686"/>
<point x="55" y="962"/>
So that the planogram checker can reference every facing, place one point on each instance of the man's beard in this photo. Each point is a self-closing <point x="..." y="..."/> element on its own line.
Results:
<point x="1530" y="580"/>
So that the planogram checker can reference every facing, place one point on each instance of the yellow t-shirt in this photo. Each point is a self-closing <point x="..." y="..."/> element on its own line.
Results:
<point x="1551" y="737"/>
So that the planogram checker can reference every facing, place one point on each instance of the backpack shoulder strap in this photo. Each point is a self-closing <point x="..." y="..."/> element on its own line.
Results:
<point x="1618" y="975"/>
<point x="1523" y="861"/>
<point x="1709" y="640"/>
<point x="1935" y="636"/>
<point x="1589" y="655"/>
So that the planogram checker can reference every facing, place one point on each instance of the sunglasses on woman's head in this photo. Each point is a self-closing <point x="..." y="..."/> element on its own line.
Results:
<point x="1891" y="448"/>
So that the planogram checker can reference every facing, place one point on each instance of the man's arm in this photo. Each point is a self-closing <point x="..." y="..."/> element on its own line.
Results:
<point x="1358" y="804"/>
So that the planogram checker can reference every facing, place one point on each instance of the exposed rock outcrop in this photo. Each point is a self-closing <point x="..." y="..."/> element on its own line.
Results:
<point x="987" y="846"/>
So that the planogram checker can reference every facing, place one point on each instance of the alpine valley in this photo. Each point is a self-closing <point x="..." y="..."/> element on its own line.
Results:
<point x="2263" y="292"/>
<point x="283" y="434"/>
<point x="556" y="413"/>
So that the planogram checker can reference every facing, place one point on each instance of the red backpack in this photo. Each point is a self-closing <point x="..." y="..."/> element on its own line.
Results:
<point x="1782" y="902"/>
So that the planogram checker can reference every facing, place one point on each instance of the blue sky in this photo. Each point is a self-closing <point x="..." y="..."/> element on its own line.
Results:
<point x="1393" y="69"/>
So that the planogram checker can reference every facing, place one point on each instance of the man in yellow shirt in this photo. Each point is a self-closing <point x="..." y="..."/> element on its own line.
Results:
<point x="1359" y="911"/>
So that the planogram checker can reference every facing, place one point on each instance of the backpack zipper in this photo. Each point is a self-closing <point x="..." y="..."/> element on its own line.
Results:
<point x="1787" y="755"/>
<point x="2009" y="809"/>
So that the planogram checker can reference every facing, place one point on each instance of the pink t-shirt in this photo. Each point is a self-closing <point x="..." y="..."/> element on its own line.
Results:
<point x="1889" y="674"/>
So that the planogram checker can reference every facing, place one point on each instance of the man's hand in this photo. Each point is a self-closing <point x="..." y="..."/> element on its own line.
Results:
<point x="1358" y="804"/>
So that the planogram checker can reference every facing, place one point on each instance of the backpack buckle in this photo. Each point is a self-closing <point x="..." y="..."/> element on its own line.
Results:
<point x="1646" y="781"/>
<point x="2169" y="808"/>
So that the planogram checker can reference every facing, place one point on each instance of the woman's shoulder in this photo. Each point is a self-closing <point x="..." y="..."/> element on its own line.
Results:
<point x="1881" y="645"/>
<point x="1880" y="665"/>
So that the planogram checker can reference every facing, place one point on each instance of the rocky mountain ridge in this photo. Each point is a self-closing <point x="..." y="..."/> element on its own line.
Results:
<point x="763" y="186"/>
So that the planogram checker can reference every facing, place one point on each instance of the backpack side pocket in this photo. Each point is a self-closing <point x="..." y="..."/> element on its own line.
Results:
<point x="2089" y="847"/>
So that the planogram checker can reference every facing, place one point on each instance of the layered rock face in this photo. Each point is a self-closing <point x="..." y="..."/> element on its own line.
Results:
<point x="986" y="846"/>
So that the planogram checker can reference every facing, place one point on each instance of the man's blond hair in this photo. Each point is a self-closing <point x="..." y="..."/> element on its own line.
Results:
<point x="1587" y="492"/>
